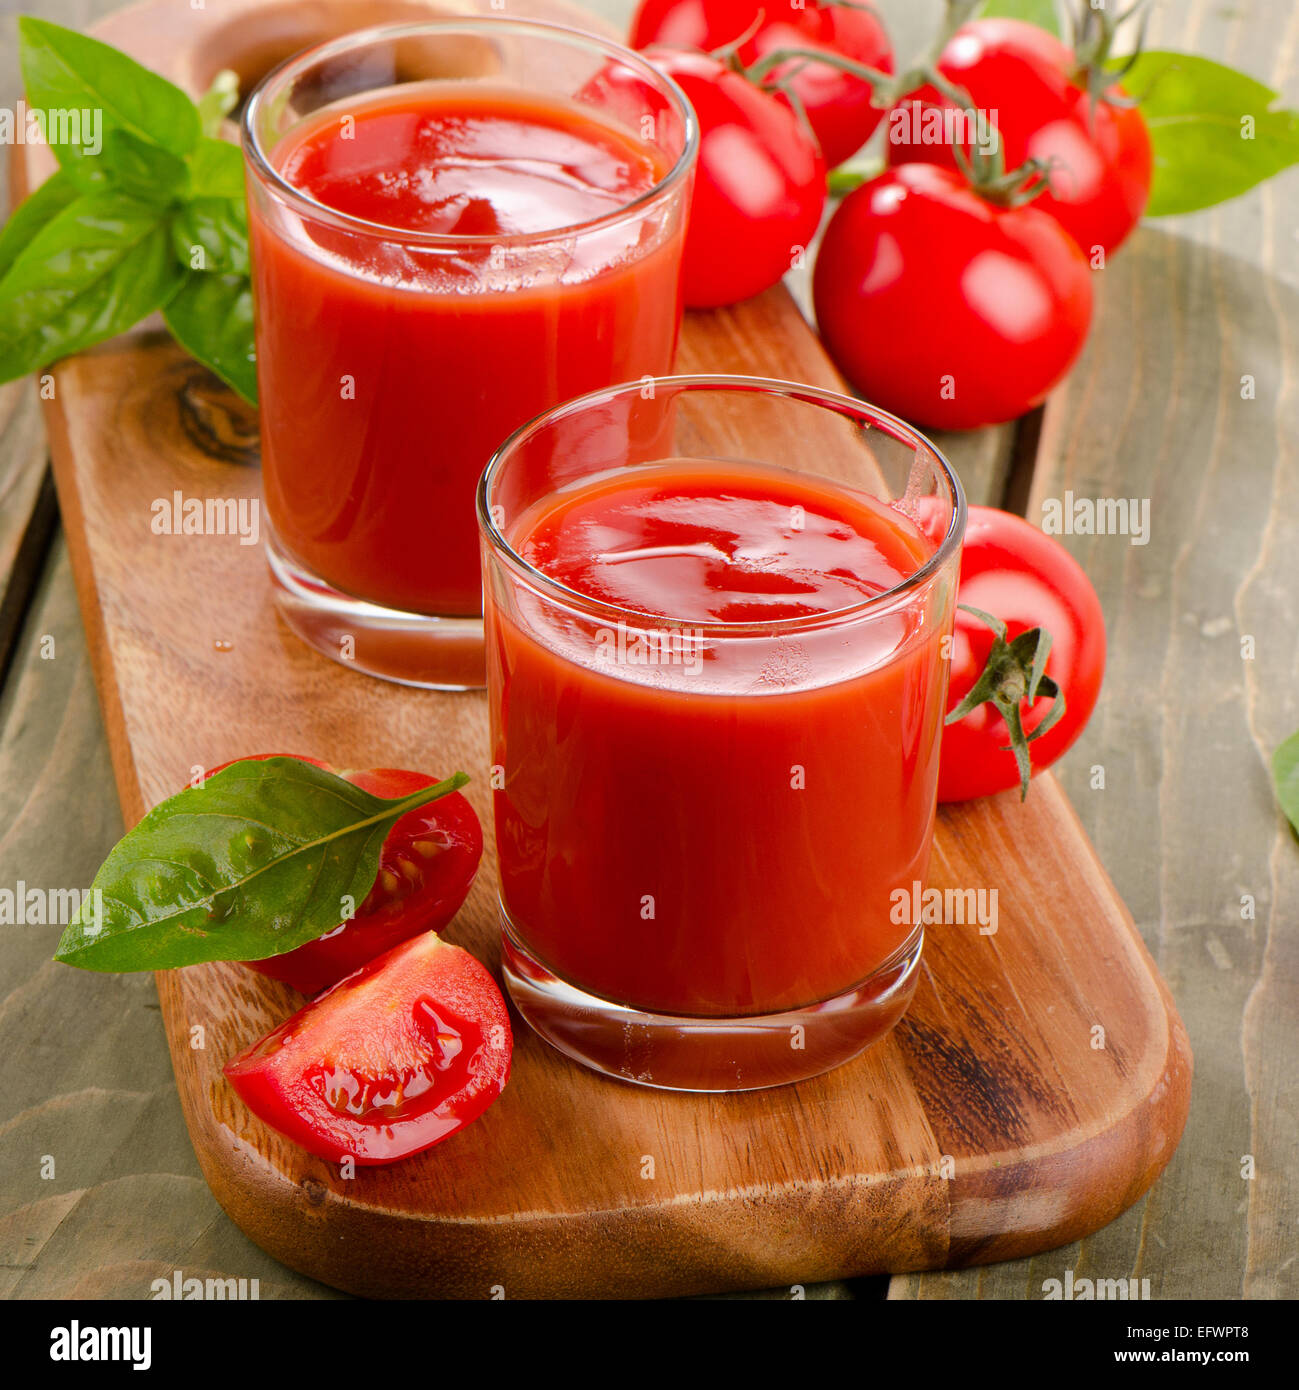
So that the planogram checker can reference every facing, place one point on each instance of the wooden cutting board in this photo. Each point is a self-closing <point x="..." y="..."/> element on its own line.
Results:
<point x="1037" y="1087"/>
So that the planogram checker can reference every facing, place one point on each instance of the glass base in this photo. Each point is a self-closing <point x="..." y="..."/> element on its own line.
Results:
<point x="409" y="648"/>
<point x="685" y="1053"/>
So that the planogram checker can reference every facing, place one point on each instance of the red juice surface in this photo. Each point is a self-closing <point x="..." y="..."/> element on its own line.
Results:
<point x="389" y="372"/>
<point x="717" y="829"/>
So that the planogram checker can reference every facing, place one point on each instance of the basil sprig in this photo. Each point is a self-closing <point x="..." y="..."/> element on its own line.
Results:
<point x="1214" y="132"/>
<point x="263" y="857"/>
<point x="146" y="211"/>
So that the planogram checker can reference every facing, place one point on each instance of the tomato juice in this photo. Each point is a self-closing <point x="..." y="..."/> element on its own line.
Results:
<point x="716" y="765"/>
<point x="458" y="268"/>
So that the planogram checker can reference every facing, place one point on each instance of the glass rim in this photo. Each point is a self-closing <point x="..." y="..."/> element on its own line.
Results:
<point x="258" y="158"/>
<point x="863" y="413"/>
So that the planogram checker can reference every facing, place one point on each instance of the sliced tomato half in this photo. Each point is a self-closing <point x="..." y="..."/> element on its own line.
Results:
<point x="426" y="868"/>
<point x="400" y="1055"/>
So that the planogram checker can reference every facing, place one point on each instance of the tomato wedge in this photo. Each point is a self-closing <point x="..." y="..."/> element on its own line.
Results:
<point x="395" y="1058"/>
<point x="426" y="868"/>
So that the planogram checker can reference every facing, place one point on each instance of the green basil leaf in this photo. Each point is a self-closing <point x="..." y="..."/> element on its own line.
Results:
<point x="1285" y="775"/>
<point x="1043" y="13"/>
<point x="1213" y="130"/>
<point x="67" y="72"/>
<point x="93" y="271"/>
<point x="254" y="863"/>
<point x="216" y="170"/>
<point x="38" y="208"/>
<point x="211" y="317"/>
<point x="141" y="170"/>
<point x="88" y="174"/>
<point x="220" y="99"/>
<point x="212" y="234"/>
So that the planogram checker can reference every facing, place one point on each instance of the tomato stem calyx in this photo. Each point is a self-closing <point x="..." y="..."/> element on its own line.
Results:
<point x="762" y="73"/>
<point x="1092" y="34"/>
<point x="887" y="89"/>
<point x="1015" y="672"/>
<point x="985" y="171"/>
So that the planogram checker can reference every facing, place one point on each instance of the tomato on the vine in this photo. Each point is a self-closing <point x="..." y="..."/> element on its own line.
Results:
<point x="946" y="308"/>
<point x="426" y="867"/>
<point x="396" y="1057"/>
<point x="759" y="186"/>
<point x="1026" y="580"/>
<point x="1097" y="150"/>
<point x="838" y="104"/>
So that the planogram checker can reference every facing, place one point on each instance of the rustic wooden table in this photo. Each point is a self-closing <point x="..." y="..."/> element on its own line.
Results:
<point x="1186" y="395"/>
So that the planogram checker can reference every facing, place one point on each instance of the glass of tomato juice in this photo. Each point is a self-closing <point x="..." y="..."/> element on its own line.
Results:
<point x="454" y="225"/>
<point x="715" y="610"/>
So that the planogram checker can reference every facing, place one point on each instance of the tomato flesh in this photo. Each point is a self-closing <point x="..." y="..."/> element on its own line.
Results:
<point x="426" y="868"/>
<point x="393" y="1059"/>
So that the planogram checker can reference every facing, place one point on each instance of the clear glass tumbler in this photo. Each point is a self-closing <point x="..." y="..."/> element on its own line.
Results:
<point x="454" y="225"/>
<point x="715" y="612"/>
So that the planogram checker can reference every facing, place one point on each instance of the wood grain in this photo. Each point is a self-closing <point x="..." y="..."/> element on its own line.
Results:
<point x="1187" y="822"/>
<point x="27" y="510"/>
<point x="100" y="1191"/>
<point x="988" y="1125"/>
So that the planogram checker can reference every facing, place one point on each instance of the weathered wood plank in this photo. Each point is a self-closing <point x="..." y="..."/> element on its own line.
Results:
<point x="126" y="1203"/>
<point x="1187" y="824"/>
<point x="100" y="1192"/>
<point x="28" y="512"/>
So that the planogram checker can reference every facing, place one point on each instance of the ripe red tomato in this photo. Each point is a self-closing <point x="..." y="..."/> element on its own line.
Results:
<point x="838" y="105"/>
<point x="426" y="867"/>
<point x="944" y="308"/>
<point x="395" y="1058"/>
<point x="1100" y="157"/>
<point x="759" y="185"/>
<point x="1014" y="572"/>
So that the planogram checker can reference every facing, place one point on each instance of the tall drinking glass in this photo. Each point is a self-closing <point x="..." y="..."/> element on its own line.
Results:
<point x="716" y="610"/>
<point x="454" y="225"/>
